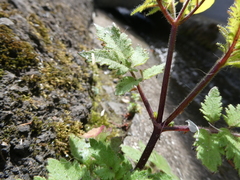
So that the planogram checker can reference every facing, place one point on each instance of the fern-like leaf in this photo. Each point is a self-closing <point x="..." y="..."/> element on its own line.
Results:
<point x="231" y="145"/>
<point x="147" y="4"/>
<point x="232" y="116"/>
<point x="231" y="33"/>
<point x="208" y="150"/>
<point x="153" y="71"/>
<point x="139" y="56"/>
<point x="126" y="84"/>
<point x="212" y="106"/>
<point x="64" y="170"/>
<point x="80" y="149"/>
<point x="108" y="57"/>
<point x="111" y="164"/>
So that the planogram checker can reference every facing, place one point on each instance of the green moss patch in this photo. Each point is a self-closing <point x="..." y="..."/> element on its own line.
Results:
<point x="15" y="55"/>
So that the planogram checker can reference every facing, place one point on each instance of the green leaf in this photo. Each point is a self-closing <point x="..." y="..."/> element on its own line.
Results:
<point x="161" y="163"/>
<point x="63" y="170"/>
<point x="208" y="150"/>
<point x="114" y="39"/>
<point x="232" y="116"/>
<point x="212" y="106"/>
<point x="147" y="4"/>
<point x="107" y="57"/>
<point x="126" y="84"/>
<point x="205" y="6"/>
<point x="232" y="147"/>
<point x="157" y="160"/>
<point x="146" y="175"/>
<point x="194" y="3"/>
<point x="38" y="178"/>
<point x="139" y="56"/>
<point x="111" y="164"/>
<point x="231" y="33"/>
<point x="152" y="11"/>
<point x="153" y="71"/>
<point x="80" y="149"/>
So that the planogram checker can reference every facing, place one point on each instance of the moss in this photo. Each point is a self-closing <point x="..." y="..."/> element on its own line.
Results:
<point x="1" y="73"/>
<point x="8" y="131"/>
<point x="4" y="6"/>
<point x="63" y="130"/>
<point x="39" y="28"/>
<point x="15" y="55"/>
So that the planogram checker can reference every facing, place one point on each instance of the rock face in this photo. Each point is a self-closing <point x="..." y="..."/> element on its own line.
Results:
<point x="115" y="3"/>
<point x="44" y="84"/>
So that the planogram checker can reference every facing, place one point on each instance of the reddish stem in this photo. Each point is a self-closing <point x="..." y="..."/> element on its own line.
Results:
<point x="209" y="76"/>
<point x="149" y="148"/>
<point x="145" y="100"/>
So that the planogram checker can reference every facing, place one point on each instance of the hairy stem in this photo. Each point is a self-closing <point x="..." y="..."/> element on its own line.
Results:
<point x="209" y="76"/>
<point x="145" y="100"/>
<point x="149" y="148"/>
<point x="165" y="12"/>
<point x="163" y="95"/>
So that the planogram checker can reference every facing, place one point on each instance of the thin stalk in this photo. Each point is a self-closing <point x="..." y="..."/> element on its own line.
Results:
<point x="186" y="129"/>
<point x="192" y="12"/>
<point x="163" y="95"/>
<point x="145" y="100"/>
<point x="165" y="12"/>
<point x="209" y="76"/>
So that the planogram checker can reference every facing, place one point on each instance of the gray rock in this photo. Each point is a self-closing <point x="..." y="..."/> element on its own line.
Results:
<point x="115" y="3"/>
<point x="23" y="128"/>
<point x="117" y="108"/>
<point x="7" y="22"/>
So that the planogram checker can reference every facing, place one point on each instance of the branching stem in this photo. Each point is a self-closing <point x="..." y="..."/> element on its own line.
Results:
<point x="209" y="76"/>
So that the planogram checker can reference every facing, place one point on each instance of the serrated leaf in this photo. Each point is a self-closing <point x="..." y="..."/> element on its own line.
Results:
<point x="232" y="116"/>
<point x="63" y="170"/>
<point x="153" y="71"/>
<point x="139" y="56"/>
<point x="146" y="175"/>
<point x="38" y="178"/>
<point x="80" y="149"/>
<point x="114" y="39"/>
<point x="231" y="33"/>
<point x="126" y="84"/>
<point x="212" y="106"/>
<point x="231" y="145"/>
<point x="111" y="164"/>
<point x="152" y="11"/>
<point x="146" y="4"/>
<point x="208" y="150"/>
<point x="107" y="57"/>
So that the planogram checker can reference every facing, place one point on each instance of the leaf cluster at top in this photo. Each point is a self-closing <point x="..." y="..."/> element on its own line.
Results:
<point x="118" y="54"/>
<point x="170" y="5"/>
<point x="231" y="33"/>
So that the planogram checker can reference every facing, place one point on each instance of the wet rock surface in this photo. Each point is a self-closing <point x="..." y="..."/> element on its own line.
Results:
<point x="44" y="83"/>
